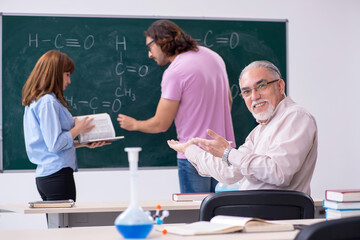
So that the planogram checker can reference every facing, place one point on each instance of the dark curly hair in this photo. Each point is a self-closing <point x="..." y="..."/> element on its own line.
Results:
<point x="171" y="38"/>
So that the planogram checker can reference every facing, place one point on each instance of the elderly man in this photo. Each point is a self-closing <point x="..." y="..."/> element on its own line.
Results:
<point x="280" y="153"/>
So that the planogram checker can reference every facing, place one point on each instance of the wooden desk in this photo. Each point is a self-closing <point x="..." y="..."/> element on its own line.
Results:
<point x="104" y="213"/>
<point x="110" y="233"/>
<point x="85" y="214"/>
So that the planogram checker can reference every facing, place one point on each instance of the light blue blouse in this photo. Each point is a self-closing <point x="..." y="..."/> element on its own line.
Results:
<point x="49" y="143"/>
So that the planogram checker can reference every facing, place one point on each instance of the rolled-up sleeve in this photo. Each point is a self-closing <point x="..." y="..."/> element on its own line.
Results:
<point x="208" y="165"/>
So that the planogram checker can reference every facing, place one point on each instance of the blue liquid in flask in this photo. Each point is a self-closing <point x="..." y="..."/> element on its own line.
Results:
<point x="134" y="222"/>
<point x="134" y="231"/>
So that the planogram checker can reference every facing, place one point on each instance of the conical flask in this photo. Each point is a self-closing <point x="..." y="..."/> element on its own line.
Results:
<point x="134" y="222"/>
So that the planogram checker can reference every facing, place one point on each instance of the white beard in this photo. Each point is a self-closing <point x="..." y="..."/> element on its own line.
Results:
<point x="263" y="116"/>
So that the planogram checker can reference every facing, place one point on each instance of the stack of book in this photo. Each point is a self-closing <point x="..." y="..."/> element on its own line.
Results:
<point x="342" y="203"/>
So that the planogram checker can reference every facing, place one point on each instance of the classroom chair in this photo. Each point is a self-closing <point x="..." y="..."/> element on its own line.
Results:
<point x="337" y="229"/>
<point x="265" y="204"/>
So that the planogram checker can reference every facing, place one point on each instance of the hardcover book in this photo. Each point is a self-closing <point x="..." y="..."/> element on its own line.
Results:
<point x="187" y="197"/>
<point x="341" y="213"/>
<point x="341" y="205"/>
<point x="343" y="195"/>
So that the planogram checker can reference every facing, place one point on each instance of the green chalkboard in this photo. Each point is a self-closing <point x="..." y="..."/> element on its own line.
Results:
<point x="113" y="74"/>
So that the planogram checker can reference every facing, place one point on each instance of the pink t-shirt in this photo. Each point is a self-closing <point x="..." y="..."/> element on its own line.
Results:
<point x="199" y="81"/>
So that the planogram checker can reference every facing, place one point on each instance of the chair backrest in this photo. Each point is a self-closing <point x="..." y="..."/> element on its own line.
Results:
<point x="265" y="204"/>
<point x="337" y="229"/>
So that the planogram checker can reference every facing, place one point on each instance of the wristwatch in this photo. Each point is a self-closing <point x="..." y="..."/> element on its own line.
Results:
<point x="226" y="154"/>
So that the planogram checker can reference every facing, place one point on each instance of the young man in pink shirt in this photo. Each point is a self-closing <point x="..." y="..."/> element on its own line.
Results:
<point x="194" y="93"/>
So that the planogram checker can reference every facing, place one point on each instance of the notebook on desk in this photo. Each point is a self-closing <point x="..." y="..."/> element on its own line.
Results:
<point x="52" y="204"/>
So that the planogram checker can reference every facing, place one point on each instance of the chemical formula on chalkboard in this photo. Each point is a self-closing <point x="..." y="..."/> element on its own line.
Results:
<point x="95" y="104"/>
<point x="60" y="41"/>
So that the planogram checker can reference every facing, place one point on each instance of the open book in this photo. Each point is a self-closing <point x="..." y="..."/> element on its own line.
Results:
<point x="52" y="204"/>
<point x="227" y="224"/>
<point x="103" y="130"/>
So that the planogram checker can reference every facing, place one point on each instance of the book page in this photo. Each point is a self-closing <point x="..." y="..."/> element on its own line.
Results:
<point x="201" y="228"/>
<point x="252" y="224"/>
<point x="103" y="128"/>
<point x="263" y="226"/>
<point x="231" y="220"/>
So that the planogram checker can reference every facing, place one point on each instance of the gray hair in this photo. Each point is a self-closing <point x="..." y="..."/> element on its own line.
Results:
<point x="268" y="65"/>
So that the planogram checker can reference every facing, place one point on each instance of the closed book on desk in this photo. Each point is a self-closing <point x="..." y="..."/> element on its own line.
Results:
<point x="341" y="213"/>
<point x="187" y="197"/>
<point x="52" y="204"/>
<point x="227" y="224"/>
<point x="343" y="195"/>
<point x="341" y="205"/>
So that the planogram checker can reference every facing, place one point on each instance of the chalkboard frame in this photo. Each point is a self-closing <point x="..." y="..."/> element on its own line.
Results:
<point x="125" y="17"/>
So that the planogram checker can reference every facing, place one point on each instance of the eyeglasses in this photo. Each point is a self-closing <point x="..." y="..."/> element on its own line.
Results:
<point x="148" y="45"/>
<point x="259" y="87"/>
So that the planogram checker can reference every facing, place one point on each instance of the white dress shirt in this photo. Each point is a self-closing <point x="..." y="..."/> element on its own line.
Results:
<point x="278" y="154"/>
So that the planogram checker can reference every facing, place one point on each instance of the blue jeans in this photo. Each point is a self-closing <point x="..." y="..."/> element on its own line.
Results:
<point x="190" y="181"/>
